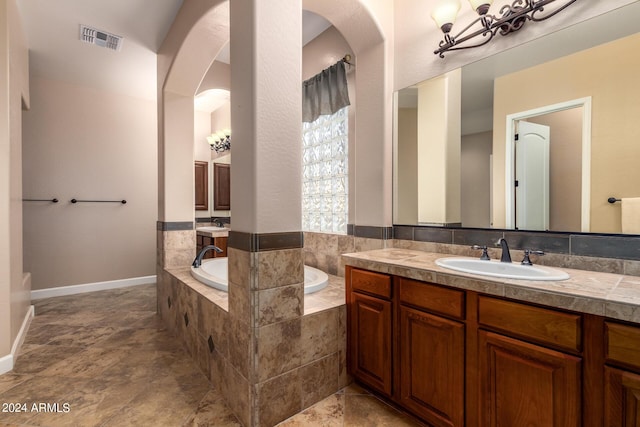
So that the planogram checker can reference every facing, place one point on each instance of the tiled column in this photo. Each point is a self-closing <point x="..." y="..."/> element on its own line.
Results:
<point x="265" y="244"/>
<point x="175" y="247"/>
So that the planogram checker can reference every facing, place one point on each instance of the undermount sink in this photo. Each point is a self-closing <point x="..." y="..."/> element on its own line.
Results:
<point x="502" y="269"/>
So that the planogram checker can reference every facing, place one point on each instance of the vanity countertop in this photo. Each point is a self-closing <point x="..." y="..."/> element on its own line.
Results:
<point x="212" y="231"/>
<point x="611" y="295"/>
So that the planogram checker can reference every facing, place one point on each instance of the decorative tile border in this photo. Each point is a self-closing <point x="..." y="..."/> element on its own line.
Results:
<point x="616" y="246"/>
<point x="174" y="226"/>
<point x="209" y="219"/>
<point x="370" y="232"/>
<point x="259" y="242"/>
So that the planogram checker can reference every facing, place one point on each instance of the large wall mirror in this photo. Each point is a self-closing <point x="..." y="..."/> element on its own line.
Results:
<point x="573" y="100"/>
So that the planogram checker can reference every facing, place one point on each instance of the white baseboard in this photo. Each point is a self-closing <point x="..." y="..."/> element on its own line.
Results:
<point x="6" y="362"/>
<point x="91" y="287"/>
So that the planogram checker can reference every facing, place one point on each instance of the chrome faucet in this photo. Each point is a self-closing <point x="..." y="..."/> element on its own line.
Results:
<point x="198" y="261"/>
<point x="506" y="256"/>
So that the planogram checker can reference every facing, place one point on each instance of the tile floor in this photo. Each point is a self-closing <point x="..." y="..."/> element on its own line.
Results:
<point x="106" y="360"/>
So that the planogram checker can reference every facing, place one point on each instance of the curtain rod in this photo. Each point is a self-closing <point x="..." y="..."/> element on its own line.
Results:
<point x="346" y="59"/>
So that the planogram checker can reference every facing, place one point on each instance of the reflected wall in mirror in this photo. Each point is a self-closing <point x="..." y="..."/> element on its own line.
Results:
<point x="593" y="149"/>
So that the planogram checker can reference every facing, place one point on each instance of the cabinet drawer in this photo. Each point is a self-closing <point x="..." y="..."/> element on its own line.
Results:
<point x="370" y="282"/>
<point x="434" y="298"/>
<point x="622" y="343"/>
<point x="554" y="328"/>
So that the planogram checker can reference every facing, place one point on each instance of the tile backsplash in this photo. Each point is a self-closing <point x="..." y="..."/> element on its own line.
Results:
<point x="618" y="254"/>
<point x="596" y="252"/>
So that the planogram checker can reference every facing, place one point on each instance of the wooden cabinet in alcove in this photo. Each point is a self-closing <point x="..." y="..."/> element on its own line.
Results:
<point x="201" y="185"/>
<point x="221" y="187"/>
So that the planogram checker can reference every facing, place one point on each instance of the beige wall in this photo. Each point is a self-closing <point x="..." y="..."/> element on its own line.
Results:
<point x="475" y="180"/>
<point x="221" y="119"/>
<point x="14" y="91"/>
<point x="439" y="150"/>
<point x="565" y="168"/>
<point x="407" y="197"/>
<point x="608" y="74"/>
<point x="201" y="150"/>
<point x="88" y="144"/>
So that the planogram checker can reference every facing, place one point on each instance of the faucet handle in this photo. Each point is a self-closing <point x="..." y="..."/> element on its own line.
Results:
<point x="485" y="254"/>
<point x="527" y="252"/>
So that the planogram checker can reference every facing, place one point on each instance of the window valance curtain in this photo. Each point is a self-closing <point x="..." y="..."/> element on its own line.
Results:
<point x="325" y="93"/>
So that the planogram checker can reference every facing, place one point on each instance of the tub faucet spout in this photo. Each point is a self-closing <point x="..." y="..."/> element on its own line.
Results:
<point x="506" y="256"/>
<point x="196" y="262"/>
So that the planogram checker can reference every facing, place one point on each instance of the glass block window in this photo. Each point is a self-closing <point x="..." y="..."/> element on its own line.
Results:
<point x="325" y="173"/>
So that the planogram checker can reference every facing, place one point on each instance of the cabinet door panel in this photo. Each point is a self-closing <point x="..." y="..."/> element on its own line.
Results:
<point x="201" y="185"/>
<point x="622" y="398"/>
<point x="221" y="187"/>
<point x="432" y="377"/>
<point x="371" y="341"/>
<point x="522" y="384"/>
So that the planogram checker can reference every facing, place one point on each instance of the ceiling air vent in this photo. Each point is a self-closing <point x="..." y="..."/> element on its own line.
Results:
<point x="100" y="38"/>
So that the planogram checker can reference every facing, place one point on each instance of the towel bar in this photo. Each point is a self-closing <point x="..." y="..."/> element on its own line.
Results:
<point x="98" y="201"/>
<point x="41" y="200"/>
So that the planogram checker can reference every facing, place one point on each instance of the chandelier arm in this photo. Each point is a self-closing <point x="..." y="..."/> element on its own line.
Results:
<point x="507" y="10"/>
<point x="541" y="9"/>
<point x="449" y="42"/>
<point x="487" y="33"/>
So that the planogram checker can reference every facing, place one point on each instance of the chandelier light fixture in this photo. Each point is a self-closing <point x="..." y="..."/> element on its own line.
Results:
<point x="480" y="31"/>
<point x="220" y="140"/>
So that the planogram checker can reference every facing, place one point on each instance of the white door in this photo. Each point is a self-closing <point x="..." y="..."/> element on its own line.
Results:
<point x="532" y="177"/>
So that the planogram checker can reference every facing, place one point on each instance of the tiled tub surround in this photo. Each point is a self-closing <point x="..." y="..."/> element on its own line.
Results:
<point x="175" y="243"/>
<point x="323" y="250"/>
<point x="299" y="341"/>
<point x="606" y="294"/>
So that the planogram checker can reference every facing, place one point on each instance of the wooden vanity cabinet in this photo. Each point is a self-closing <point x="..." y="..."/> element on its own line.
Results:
<point x="622" y="398"/>
<point x="524" y="384"/>
<point x="221" y="187"/>
<point x="221" y="242"/>
<point x="453" y="357"/>
<point x="201" y="175"/>
<point x="432" y="356"/>
<point x="622" y="375"/>
<point x="369" y="315"/>
<point x="527" y="373"/>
